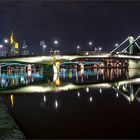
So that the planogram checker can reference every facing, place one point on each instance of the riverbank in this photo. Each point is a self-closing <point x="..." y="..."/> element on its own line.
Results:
<point x="8" y="128"/>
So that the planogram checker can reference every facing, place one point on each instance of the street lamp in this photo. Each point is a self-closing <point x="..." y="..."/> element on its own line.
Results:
<point x="100" y="48"/>
<point x="78" y="48"/>
<point x="56" y="42"/>
<point x="90" y="43"/>
<point x="1" y="50"/>
<point x="44" y="47"/>
<point x="116" y="44"/>
<point x="1" y="46"/>
<point x="6" y="41"/>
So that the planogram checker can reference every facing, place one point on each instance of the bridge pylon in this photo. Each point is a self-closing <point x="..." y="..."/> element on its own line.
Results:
<point x="130" y="47"/>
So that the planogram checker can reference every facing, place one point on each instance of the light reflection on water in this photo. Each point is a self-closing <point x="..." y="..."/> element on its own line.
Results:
<point x="73" y="104"/>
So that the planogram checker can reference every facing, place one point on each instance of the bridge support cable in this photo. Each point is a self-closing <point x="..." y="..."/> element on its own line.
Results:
<point x="137" y="45"/>
<point x="132" y="44"/>
<point x="138" y="90"/>
<point x="119" y="45"/>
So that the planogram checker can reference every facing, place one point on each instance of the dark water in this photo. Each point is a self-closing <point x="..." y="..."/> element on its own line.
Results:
<point x="102" y="103"/>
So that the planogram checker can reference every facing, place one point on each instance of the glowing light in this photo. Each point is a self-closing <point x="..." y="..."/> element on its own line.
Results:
<point x="90" y="99"/>
<point x="70" y="74"/>
<point x="78" y="94"/>
<point x="117" y="95"/>
<point x="90" y="43"/>
<point x="78" y="47"/>
<point x="100" y="48"/>
<point x="16" y="45"/>
<point x="44" y="98"/>
<point x="87" y="89"/>
<point x="44" y="46"/>
<point x="132" y="97"/>
<point x="6" y="41"/>
<point x="12" y="100"/>
<point x="57" y="82"/>
<point x="56" y="104"/>
<point x="55" y="42"/>
<point x="1" y="45"/>
<point x="11" y="38"/>
<point x="116" y="44"/>
<point x="100" y="90"/>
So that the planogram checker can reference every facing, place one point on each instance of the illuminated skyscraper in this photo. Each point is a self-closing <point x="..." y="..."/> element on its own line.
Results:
<point x="25" y="49"/>
<point x="14" y="46"/>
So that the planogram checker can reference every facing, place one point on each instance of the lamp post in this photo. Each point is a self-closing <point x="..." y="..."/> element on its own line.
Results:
<point x="6" y="50"/>
<point x="56" y="43"/>
<point x="1" y="52"/>
<point x="6" y="41"/>
<point x="90" y="43"/>
<point x="100" y="48"/>
<point x="78" y="48"/>
<point x="116" y="44"/>
<point x="44" y="47"/>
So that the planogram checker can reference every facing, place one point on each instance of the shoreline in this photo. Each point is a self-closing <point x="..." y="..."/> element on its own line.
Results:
<point x="8" y="127"/>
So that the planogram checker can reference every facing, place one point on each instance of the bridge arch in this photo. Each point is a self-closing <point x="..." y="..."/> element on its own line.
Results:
<point x="12" y="64"/>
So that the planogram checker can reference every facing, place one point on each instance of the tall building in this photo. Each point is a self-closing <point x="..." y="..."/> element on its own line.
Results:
<point x="14" y="50"/>
<point x="25" y="49"/>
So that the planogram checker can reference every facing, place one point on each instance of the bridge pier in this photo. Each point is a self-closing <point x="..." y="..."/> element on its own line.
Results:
<point x="81" y="66"/>
<point x="0" y="70"/>
<point x="135" y="64"/>
<point x="8" y="69"/>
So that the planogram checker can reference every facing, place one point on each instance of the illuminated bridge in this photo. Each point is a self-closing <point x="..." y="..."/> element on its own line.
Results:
<point x="122" y="56"/>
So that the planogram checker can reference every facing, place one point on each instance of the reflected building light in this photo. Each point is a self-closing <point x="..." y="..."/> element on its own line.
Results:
<point x="12" y="100"/>
<point x="55" y="77"/>
<point x="56" y="104"/>
<point x="87" y="89"/>
<point x="76" y="75"/>
<point x="29" y="73"/>
<point x="78" y="94"/>
<point x="82" y="72"/>
<point x="117" y="95"/>
<point x="82" y="79"/>
<point x="44" y="98"/>
<point x="57" y="82"/>
<point x="32" y="79"/>
<point x="132" y="97"/>
<point x="1" y="46"/>
<point x="90" y="99"/>
<point x="70" y="74"/>
<point x="100" y="90"/>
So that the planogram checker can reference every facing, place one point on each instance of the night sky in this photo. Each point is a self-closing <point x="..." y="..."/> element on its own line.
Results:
<point x="72" y="23"/>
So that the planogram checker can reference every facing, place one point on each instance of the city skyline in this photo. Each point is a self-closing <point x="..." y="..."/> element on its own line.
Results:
<point x="72" y="23"/>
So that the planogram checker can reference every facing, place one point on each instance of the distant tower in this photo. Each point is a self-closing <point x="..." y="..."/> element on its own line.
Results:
<point x="14" y="46"/>
<point x="25" y="49"/>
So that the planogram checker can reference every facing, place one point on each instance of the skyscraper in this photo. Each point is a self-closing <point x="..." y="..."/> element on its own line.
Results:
<point x="14" y="50"/>
<point x="25" y="49"/>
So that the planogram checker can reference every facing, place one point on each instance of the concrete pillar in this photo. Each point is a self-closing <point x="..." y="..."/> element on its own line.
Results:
<point x="81" y="66"/>
<point x="0" y="70"/>
<point x="29" y="70"/>
<point x="29" y="67"/>
<point x="131" y="40"/>
<point x="56" y="67"/>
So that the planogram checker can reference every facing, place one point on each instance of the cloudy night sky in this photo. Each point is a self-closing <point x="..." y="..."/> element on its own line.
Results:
<point x="71" y="22"/>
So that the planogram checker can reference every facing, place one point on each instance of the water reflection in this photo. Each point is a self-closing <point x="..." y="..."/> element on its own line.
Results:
<point x="120" y="80"/>
<point x="72" y="102"/>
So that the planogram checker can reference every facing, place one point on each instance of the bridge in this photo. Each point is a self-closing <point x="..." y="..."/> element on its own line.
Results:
<point x="124" y="58"/>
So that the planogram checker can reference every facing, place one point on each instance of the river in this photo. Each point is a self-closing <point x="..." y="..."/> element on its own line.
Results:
<point x="93" y="103"/>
